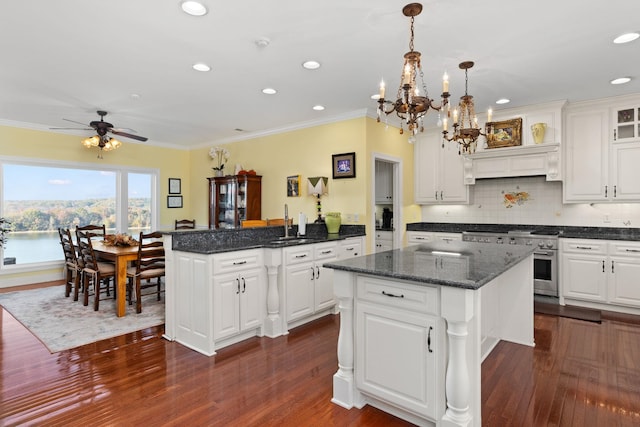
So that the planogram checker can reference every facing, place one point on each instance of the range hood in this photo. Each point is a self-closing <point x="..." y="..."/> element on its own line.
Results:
<point x="528" y="160"/>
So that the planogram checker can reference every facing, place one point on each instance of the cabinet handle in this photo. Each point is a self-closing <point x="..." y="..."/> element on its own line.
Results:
<point x="615" y="134"/>
<point x="441" y="198"/>
<point x="632" y="250"/>
<point x="421" y="238"/>
<point x="429" y="339"/>
<point x="615" y="191"/>
<point x="612" y="263"/>
<point x="238" y="283"/>
<point x="436" y="195"/>
<point x="301" y="256"/>
<point x="584" y="247"/>
<point x="603" y="266"/>
<point x="317" y="272"/>
<point x="313" y="274"/>
<point x="349" y="249"/>
<point x="392" y="295"/>
<point x="239" y="262"/>
<point x="325" y="252"/>
<point x="606" y="190"/>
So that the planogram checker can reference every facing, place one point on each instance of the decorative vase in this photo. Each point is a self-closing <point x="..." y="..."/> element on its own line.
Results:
<point x="538" y="130"/>
<point x="333" y="222"/>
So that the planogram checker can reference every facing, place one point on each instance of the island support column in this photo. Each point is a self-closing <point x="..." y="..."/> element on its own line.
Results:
<point x="345" y="392"/>
<point x="273" y="326"/>
<point x="459" y="306"/>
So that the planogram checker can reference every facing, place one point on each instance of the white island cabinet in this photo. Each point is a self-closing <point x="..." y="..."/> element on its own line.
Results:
<point x="416" y="323"/>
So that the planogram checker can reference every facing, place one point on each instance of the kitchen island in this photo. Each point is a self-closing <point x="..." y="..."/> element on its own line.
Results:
<point x="416" y="323"/>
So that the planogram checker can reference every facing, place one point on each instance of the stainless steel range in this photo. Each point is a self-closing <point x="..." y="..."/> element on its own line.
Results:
<point x="545" y="258"/>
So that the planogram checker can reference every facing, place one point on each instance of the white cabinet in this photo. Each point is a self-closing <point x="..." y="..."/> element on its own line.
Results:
<point x="408" y="378"/>
<point x="350" y="247"/>
<point x="626" y="123"/>
<point x="418" y="237"/>
<point x="600" y="167"/>
<point x="384" y="182"/>
<point x="601" y="271"/>
<point x="447" y="237"/>
<point x="237" y="293"/>
<point x="384" y="240"/>
<point x="438" y="171"/>
<point x="308" y="286"/>
<point x="587" y="156"/>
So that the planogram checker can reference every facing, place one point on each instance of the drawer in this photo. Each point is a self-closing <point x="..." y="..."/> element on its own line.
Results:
<point x="298" y="254"/>
<point x="384" y="235"/>
<point x="237" y="261"/>
<point x="417" y="237"/>
<point x="624" y="248"/>
<point x="583" y="246"/>
<point x="325" y="250"/>
<point x="419" y="298"/>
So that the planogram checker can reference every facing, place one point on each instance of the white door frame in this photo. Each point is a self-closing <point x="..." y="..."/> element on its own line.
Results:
<point x="397" y="199"/>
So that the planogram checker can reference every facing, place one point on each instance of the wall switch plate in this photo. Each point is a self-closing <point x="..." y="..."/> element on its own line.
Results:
<point x="607" y="218"/>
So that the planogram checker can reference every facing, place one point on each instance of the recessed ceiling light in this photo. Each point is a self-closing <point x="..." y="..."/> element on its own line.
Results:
<point x="269" y="91"/>
<point x="201" y="67"/>
<point x="311" y="65"/>
<point x="503" y="101"/>
<point x="193" y="8"/>
<point x="318" y="107"/>
<point x="626" y="38"/>
<point x="620" y="80"/>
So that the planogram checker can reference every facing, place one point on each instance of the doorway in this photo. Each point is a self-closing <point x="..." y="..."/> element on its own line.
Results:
<point x="386" y="199"/>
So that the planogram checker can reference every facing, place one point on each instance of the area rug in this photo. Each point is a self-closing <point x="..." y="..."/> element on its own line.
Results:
<point x="62" y="323"/>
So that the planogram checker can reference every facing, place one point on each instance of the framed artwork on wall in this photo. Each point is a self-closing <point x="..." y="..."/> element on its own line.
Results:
<point x="174" y="186"/>
<point x="174" y="201"/>
<point x="507" y="133"/>
<point x="293" y="186"/>
<point x="344" y="165"/>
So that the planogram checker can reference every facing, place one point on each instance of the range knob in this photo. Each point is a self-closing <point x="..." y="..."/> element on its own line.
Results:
<point x="550" y="244"/>
<point x="499" y="240"/>
<point x="529" y="243"/>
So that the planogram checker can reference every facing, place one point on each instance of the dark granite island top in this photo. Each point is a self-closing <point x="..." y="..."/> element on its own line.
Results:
<point x="465" y="265"/>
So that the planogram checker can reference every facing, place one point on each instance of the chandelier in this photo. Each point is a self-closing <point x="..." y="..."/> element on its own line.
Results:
<point x="465" y="121"/>
<point x="411" y="103"/>
<point x="104" y="142"/>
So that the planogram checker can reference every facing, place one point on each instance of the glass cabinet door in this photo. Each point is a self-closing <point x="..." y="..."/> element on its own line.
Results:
<point x="226" y="204"/>
<point x="242" y="201"/>
<point x="626" y="124"/>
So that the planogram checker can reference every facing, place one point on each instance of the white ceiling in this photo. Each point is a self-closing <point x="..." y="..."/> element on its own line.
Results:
<point x="65" y="59"/>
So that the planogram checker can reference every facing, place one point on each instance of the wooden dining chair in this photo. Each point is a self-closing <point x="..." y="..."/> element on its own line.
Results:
<point x="73" y="267"/>
<point x="149" y="265"/>
<point x="96" y="275"/>
<point x="254" y="223"/>
<point x="93" y="231"/>
<point x="185" y="224"/>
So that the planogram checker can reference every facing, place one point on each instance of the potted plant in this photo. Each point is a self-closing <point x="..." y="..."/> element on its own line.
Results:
<point x="221" y="155"/>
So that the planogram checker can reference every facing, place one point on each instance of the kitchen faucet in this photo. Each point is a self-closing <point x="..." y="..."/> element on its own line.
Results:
<point x="286" y="221"/>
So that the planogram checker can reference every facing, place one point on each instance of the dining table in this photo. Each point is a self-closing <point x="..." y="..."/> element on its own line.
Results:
<point x="121" y="255"/>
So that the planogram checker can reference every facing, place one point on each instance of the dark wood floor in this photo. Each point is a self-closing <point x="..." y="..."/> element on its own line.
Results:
<point x="579" y="374"/>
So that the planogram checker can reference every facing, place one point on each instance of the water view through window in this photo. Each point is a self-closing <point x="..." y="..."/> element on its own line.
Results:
<point x="37" y="200"/>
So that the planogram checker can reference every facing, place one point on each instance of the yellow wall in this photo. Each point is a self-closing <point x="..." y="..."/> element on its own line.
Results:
<point x="306" y="152"/>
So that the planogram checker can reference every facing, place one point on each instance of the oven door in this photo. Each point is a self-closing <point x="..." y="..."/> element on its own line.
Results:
<point x="545" y="275"/>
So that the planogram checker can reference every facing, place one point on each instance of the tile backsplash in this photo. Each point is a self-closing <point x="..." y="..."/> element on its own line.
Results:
<point x="531" y="200"/>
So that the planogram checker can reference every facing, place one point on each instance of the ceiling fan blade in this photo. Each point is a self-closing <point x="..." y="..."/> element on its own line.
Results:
<point x="72" y="128"/>
<point x="128" y="135"/>
<point x="73" y="121"/>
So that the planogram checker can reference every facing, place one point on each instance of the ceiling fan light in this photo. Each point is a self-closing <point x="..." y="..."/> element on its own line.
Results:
<point x="111" y="144"/>
<point x="91" y="142"/>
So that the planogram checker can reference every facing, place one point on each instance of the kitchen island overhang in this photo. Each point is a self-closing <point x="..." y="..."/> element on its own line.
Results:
<point x="478" y="293"/>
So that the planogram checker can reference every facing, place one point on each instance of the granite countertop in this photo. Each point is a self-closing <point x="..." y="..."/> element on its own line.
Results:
<point x="563" y="231"/>
<point x="472" y="266"/>
<point x="228" y="240"/>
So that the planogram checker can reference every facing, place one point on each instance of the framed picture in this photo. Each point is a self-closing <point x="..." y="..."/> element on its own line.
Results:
<point x="174" y="186"/>
<point x="174" y="201"/>
<point x="344" y="165"/>
<point x="507" y="133"/>
<point x="293" y="186"/>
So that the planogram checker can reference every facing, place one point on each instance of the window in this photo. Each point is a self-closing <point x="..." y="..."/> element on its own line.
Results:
<point x="37" y="198"/>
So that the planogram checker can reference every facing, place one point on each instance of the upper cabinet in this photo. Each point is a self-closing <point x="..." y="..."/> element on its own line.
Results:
<point x="384" y="182"/>
<point x="232" y="199"/>
<point x="602" y="153"/>
<point x="438" y="171"/>
<point x="626" y="122"/>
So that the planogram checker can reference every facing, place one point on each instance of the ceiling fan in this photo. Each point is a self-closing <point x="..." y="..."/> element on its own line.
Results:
<point x="102" y="140"/>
